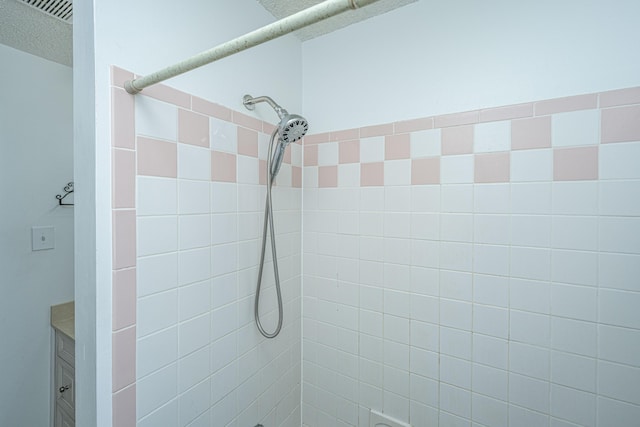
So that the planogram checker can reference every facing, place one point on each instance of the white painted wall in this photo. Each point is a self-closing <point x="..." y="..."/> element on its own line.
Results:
<point x="432" y="58"/>
<point x="143" y="36"/>
<point x="36" y="162"/>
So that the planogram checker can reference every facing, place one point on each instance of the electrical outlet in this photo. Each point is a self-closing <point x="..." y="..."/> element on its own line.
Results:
<point x="42" y="238"/>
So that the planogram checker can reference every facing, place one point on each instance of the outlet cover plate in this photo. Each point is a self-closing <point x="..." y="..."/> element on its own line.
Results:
<point x="42" y="238"/>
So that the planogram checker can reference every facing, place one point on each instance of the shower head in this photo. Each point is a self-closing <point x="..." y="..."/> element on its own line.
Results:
<point x="291" y="128"/>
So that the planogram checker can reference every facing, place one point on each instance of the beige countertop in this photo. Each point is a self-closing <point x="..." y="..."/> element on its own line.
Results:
<point x="63" y="318"/>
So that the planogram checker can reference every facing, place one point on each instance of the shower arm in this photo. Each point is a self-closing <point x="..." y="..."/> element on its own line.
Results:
<point x="250" y="103"/>
<point x="291" y="23"/>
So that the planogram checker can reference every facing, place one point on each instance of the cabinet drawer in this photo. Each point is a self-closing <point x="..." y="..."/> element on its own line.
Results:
<point x="63" y="419"/>
<point x="65" y="348"/>
<point x="65" y="386"/>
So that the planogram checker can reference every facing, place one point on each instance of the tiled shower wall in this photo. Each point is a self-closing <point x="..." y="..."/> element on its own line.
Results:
<point x="188" y="203"/>
<point x="476" y="268"/>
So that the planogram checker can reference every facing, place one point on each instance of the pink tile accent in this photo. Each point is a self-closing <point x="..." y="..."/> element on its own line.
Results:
<point x="296" y="176"/>
<point x="247" y="121"/>
<point x="570" y="103"/>
<point x="211" y="109"/>
<point x="122" y="123"/>
<point x="168" y="94"/>
<point x="124" y="298"/>
<point x="349" y="151"/>
<point x="262" y="172"/>
<point x="316" y="138"/>
<point x="287" y="156"/>
<point x="372" y="174"/>
<point x="119" y="76"/>
<point x="456" y="119"/>
<point x="124" y="239"/>
<point x="574" y="164"/>
<point x="247" y="142"/>
<point x="378" y="130"/>
<point x="492" y="167"/>
<point x="457" y="140"/>
<point x="124" y="407"/>
<point x="124" y="358"/>
<point x="193" y="128"/>
<point x="157" y="158"/>
<point x="397" y="147"/>
<point x="425" y="171"/>
<point x="413" y="125"/>
<point x="621" y="124"/>
<point x="223" y="166"/>
<point x="124" y="179"/>
<point x="310" y="155"/>
<point x="530" y="133"/>
<point x="327" y="176"/>
<point x="268" y="128"/>
<point x="506" y="113"/>
<point x="344" y="135"/>
<point x="615" y="98"/>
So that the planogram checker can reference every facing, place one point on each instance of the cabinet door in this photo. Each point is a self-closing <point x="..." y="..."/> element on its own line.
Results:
<point x="65" y="386"/>
<point x="63" y="419"/>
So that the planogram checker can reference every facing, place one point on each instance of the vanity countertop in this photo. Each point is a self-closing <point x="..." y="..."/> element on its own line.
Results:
<point x="63" y="318"/>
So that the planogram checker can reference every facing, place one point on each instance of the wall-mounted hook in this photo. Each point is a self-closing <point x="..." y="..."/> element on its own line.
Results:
<point x="68" y="189"/>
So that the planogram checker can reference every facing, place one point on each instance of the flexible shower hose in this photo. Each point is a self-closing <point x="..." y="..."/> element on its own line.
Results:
<point x="268" y="219"/>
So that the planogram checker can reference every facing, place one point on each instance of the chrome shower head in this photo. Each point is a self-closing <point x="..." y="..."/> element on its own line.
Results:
<point x="292" y="128"/>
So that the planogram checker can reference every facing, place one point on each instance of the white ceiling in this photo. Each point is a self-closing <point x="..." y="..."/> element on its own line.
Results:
<point x="28" y="29"/>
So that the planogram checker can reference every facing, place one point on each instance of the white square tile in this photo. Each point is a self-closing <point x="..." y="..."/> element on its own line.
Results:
<point x="492" y="229"/>
<point x="490" y="412"/>
<point x="193" y="197"/>
<point x="193" y="369"/>
<point x="457" y="169"/>
<point x="455" y="314"/>
<point x="223" y="321"/>
<point x="457" y="198"/>
<point x="621" y="198"/>
<point x="157" y="235"/>
<point x="156" y="274"/>
<point x="398" y="304"/>
<point x="619" y="234"/>
<point x="492" y="136"/>
<point x="530" y="263"/>
<point x="194" y="231"/>
<point x="156" y="196"/>
<point x="224" y="228"/>
<point x="424" y="308"/>
<point x="425" y="198"/>
<point x="372" y="199"/>
<point x="456" y="227"/>
<point x="575" y="198"/>
<point x="491" y="259"/>
<point x="397" y="354"/>
<point x="422" y="415"/>
<point x="397" y="199"/>
<point x="529" y="360"/>
<point x="397" y="251"/>
<point x="576" y="302"/>
<point x="156" y="351"/>
<point x="194" y="266"/>
<point x="194" y="402"/>
<point x="519" y="416"/>
<point x="424" y="281"/>
<point x="456" y="256"/>
<point x="529" y="295"/>
<point x="619" y="382"/>
<point x="575" y="128"/>
<point x="397" y="172"/>
<point x="397" y="224"/>
<point x="424" y="335"/>
<point x="425" y="143"/>
<point x="619" y="308"/>
<point x="248" y="170"/>
<point x="372" y="149"/>
<point x="491" y="351"/>
<point x="349" y="175"/>
<point x="619" y="161"/>
<point x="531" y="230"/>
<point x="573" y="336"/>
<point x="531" y="198"/>
<point x="491" y="290"/>
<point x="194" y="162"/>
<point x="156" y="119"/>
<point x="223" y="135"/>
<point x="454" y="400"/>
<point x="529" y="328"/>
<point x="396" y="277"/>
<point x="456" y="285"/>
<point x="455" y="342"/>
<point x="156" y="312"/>
<point x="492" y="321"/>
<point x="616" y="413"/>
<point x="574" y="267"/>
<point x="224" y="259"/>
<point x="619" y="271"/>
<point x="194" y="300"/>
<point x="224" y="197"/>
<point x="156" y="389"/>
<point x="296" y="154"/>
<point x="310" y="177"/>
<point x="490" y="381"/>
<point x="423" y="390"/>
<point x="328" y="154"/>
<point x="529" y="392"/>
<point x="164" y="416"/>
<point x="573" y="371"/>
<point x="455" y="371"/>
<point x="573" y="232"/>
<point x="224" y="382"/>
<point x="620" y="345"/>
<point x="573" y="405"/>
<point x="425" y="226"/>
<point x="492" y="198"/>
<point x="424" y="363"/>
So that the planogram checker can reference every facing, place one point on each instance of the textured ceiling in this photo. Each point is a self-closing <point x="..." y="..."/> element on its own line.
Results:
<point x="25" y="28"/>
<point x="283" y="8"/>
<point x="30" y="30"/>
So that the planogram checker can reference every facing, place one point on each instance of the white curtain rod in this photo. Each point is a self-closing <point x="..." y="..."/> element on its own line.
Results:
<point x="279" y="28"/>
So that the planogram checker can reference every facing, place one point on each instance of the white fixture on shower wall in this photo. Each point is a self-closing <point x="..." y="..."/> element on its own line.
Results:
<point x="378" y="419"/>
<point x="42" y="238"/>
